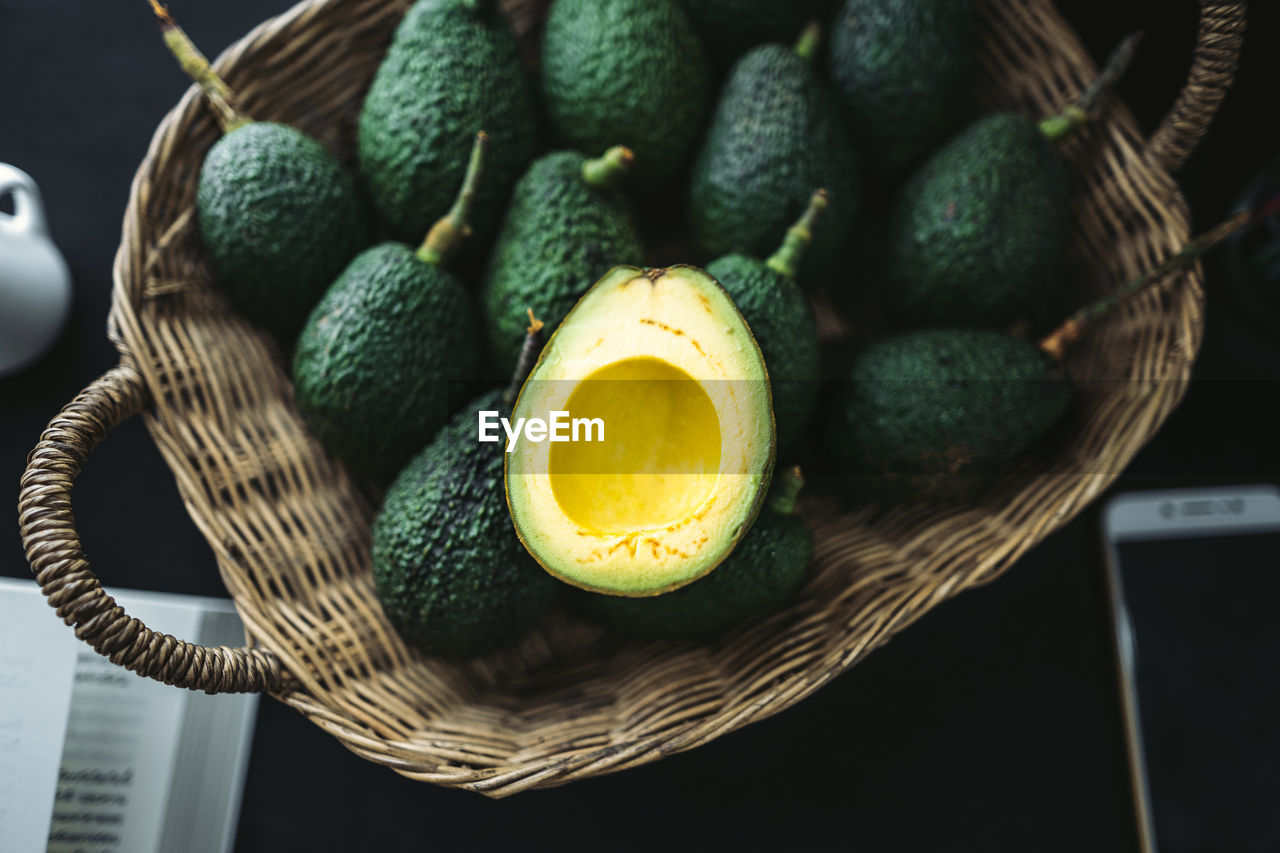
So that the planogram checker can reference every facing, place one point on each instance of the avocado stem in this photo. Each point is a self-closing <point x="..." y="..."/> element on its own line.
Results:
<point x="1057" y="342"/>
<point x="608" y="170"/>
<point x="197" y="67"/>
<point x="1062" y="125"/>
<point x="447" y="235"/>
<point x="528" y="355"/>
<point x="787" y="259"/>
<point x="786" y="491"/>
<point x="809" y="41"/>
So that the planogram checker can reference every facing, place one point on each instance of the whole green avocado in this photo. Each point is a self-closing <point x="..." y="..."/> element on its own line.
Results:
<point x="452" y="68"/>
<point x="905" y="68"/>
<point x="766" y="567"/>
<point x="278" y="217"/>
<point x="977" y="234"/>
<point x="940" y="413"/>
<point x="384" y="357"/>
<point x="628" y="72"/>
<point x="388" y="351"/>
<point x="782" y="322"/>
<point x="729" y="28"/>
<point x="448" y="568"/>
<point x="567" y="226"/>
<point x="777" y="132"/>
<point x="277" y="214"/>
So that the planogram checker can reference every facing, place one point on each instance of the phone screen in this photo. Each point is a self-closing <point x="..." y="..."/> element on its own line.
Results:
<point x="1204" y="616"/>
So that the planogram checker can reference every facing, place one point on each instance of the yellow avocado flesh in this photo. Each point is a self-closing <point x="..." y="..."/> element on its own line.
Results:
<point x="655" y="466"/>
<point x="682" y="453"/>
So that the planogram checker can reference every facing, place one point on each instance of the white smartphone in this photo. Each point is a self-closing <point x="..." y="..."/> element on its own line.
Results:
<point x="1193" y="578"/>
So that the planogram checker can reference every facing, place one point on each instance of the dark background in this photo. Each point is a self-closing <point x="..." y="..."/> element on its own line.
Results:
<point x="991" y="724"/>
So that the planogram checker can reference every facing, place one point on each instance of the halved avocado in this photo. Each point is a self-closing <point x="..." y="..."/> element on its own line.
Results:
<point x="666" y="364"/>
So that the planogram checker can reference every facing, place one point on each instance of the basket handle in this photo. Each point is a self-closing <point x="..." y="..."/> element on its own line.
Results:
<point x="1217" y="54"/>
<point x="53" y="549"/>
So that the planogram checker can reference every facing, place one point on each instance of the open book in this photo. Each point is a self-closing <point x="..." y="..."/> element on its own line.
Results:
<point x="96" y="758"/>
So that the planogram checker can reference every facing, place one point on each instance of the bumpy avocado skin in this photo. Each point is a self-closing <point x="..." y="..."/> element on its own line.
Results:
<point x="448" y="568"/>
<point x="279" y="218"/>
<point x="450" y="72"/>
<point x="783" y="324"/>
<point x="777" y="135"/>
<point x="626" y="72"/>
<point x="767" y="566"/>
<point x="977" y="235"/>
<point x="905" y="68"/>
<point x="559" y="237"/>
<point x="940" y="413"/>
<point x="729" y="28"/>
<point x="384" y="359"/>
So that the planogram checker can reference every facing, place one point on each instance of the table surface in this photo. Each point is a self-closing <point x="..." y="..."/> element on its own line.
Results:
<point x="991" y="724"/>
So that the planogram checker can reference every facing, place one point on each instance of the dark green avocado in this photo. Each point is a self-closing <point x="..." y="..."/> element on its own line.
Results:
<point x="776" y="134"/>
<point x="279" y="218"/>
<point x="567" y="226"/>
<point x="940" y="413"/>
<point x="277" y="214"/>
<point x="905" y="68"/>
<point x="448" y="568"/>
<point x="629" y="72"/>
<point x="764" y="569"/>
<point x="392" y="347"/>
<point x="729" y="28"/>
<point x="978" y="233"/>
<point x="452" y="69"/>
<point x="783" y="324"/>
<point x="385" y="358"/>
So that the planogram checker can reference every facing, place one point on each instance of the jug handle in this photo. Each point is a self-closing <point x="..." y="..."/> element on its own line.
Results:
<point x="28" y="207"/>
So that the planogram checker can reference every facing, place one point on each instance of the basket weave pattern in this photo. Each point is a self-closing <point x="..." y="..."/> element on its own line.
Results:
<point x="291" y="531"/>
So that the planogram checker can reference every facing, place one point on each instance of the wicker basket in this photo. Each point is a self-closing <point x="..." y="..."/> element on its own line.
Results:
<point x="291" y="530"/>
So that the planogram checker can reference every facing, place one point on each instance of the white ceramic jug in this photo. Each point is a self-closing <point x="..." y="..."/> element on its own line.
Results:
<point x="35" y="284"/>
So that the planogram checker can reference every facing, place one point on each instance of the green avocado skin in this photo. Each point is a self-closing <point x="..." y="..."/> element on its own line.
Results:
<point x="559" y="237"/>
<point x="626" y="72"/>
<point x="977" y="235"/>
<point x="384" y="358"/>
<point x="766" y="567"/>
<point x="940" y="412"/>
<point x="278" y="218"/>
<point x="729" y="28"/>
<point x="905" y="68"/>
<point x="448" y="568"/>
<point x="777" y="135"/>
<point x="450" y="72"/>
<point x="783" y="324"/>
